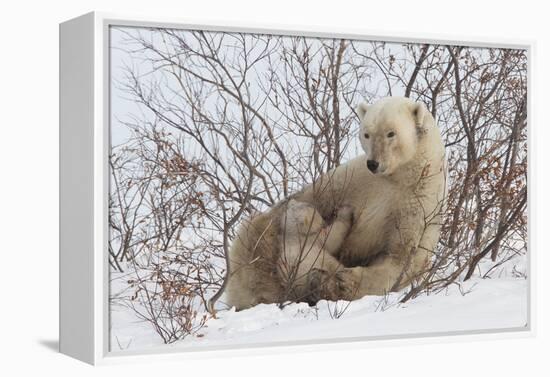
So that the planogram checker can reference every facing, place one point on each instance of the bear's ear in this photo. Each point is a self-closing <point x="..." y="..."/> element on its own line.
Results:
<point x="361" y="110"/>
<point x="419" y="113"/>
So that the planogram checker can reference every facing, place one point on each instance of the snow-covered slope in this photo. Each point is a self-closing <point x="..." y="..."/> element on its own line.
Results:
<point x="493" y="303"/>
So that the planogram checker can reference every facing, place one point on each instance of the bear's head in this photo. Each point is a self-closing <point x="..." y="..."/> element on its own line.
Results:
<point x="301" y="219"/>
<point x="390" y="132"/>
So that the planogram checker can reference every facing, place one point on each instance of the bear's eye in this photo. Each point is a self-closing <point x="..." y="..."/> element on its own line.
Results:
<point x="366" y="135"/>
<point x="391" y="134"/>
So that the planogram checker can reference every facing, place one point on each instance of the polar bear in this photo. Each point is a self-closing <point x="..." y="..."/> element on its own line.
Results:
<point x="397" y="192"/>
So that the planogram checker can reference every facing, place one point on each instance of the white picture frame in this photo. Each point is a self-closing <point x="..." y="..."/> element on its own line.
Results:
<point x="84" y="188"/>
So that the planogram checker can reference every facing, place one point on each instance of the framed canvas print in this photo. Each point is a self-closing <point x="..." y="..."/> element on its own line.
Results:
<point x="226" y="187"/>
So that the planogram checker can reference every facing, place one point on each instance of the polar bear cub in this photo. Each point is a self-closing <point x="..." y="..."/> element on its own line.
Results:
<point x="308" y="267"/>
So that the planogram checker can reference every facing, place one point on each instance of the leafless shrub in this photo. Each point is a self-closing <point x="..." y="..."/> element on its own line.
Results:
<point x="485" y="119"/>
<point x="156" y="200"/>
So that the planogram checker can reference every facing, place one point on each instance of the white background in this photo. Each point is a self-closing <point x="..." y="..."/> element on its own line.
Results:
<point x="29" y="183"/>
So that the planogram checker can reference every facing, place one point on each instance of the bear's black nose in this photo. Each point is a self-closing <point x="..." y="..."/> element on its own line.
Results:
<point x="372" y="165"/>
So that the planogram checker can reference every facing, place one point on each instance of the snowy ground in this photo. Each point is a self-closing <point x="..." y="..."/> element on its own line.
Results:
<point x="498" y="302"/>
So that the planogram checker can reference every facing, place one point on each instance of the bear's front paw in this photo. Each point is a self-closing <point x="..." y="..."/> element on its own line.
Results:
<point x="345" y="213"/>
<point x="346" y="284"/>
<point x="322" y="285"/>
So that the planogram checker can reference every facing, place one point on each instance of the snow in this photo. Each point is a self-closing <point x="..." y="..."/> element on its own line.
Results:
<point x="475" y="305"/>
